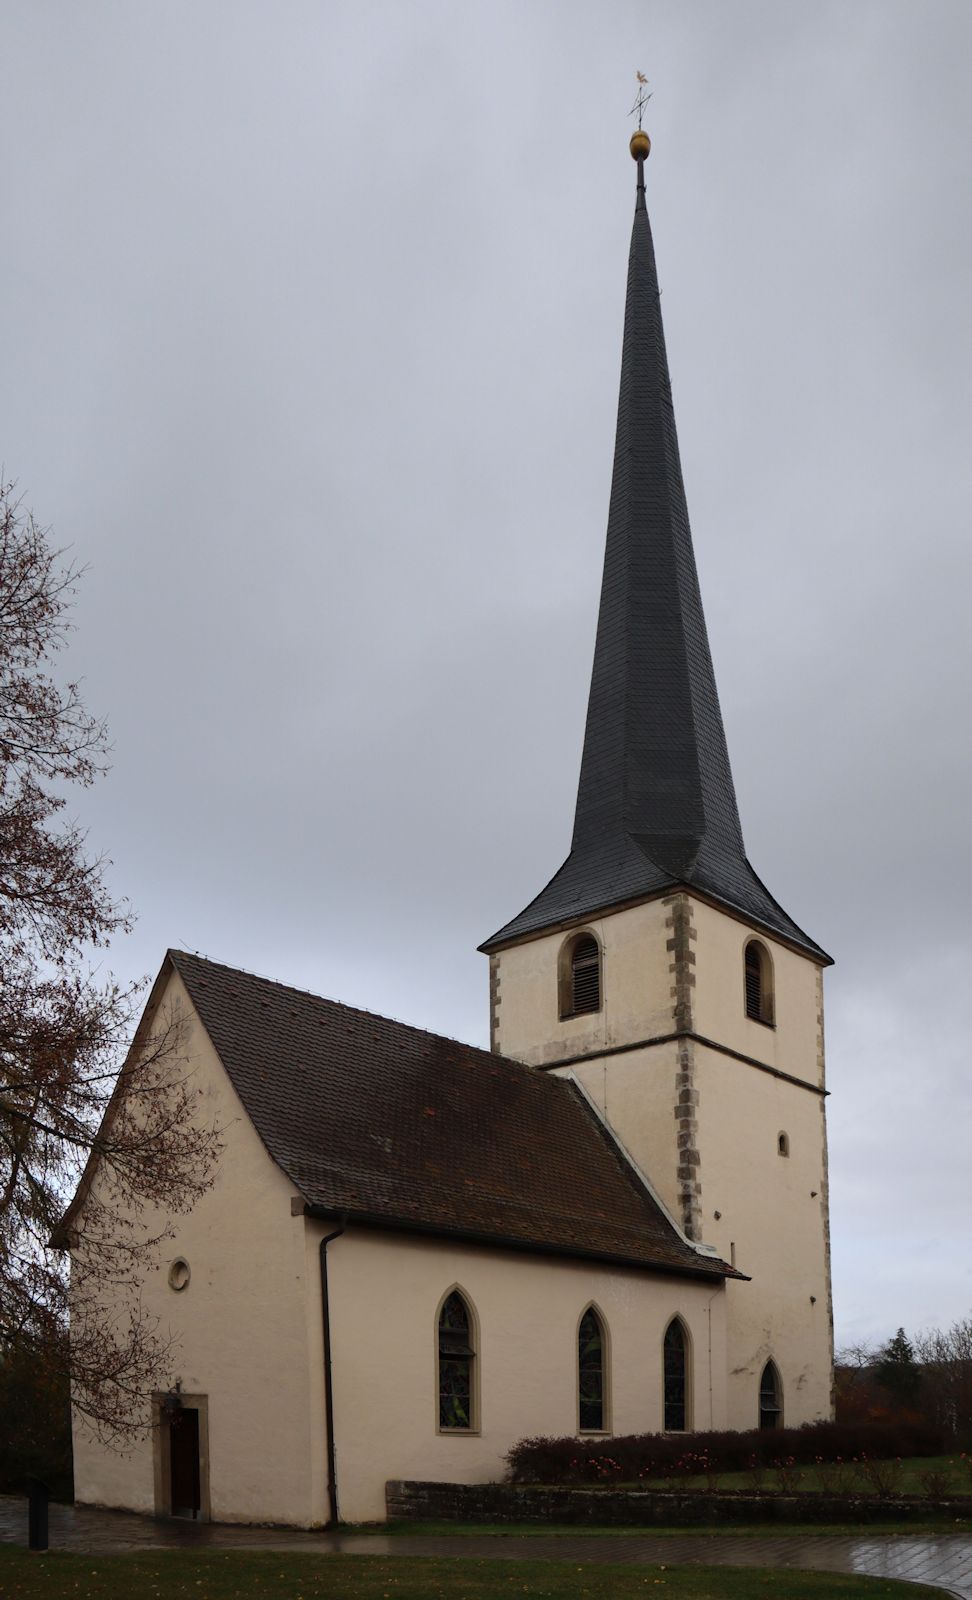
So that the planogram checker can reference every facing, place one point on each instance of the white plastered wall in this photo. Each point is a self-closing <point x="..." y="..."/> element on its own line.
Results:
<point x="385" y="1290"/>
<point x="248" y="1331"/>
<point x="772" y="1220"/>
<point x="773" y="1209"/>
<point x="635" y="1091"/>
<point x="719" y="1012"/>
<point x="636" y="994"/>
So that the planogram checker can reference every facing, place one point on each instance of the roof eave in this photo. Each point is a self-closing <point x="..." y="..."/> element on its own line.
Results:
<point x="719" y="1270"/>
<point x="499" y="941"/>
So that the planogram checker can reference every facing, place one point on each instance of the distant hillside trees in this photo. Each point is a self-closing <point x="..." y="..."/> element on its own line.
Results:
<point x="926" y="1374"/>
<point x="897" y="1371"/>
<point x="945" y="1363"/>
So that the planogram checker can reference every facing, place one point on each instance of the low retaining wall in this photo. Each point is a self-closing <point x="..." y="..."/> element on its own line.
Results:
<point x="509" y="1502"/>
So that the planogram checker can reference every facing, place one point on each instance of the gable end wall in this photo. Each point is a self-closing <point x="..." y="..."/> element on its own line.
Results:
<point x="248" y="1332"/>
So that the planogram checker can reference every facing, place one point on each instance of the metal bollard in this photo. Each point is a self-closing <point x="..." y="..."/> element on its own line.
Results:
<point x="38" y="1496"/>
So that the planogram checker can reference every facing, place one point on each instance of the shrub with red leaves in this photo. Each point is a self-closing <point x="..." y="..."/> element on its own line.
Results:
<point x="634" y="1457"/>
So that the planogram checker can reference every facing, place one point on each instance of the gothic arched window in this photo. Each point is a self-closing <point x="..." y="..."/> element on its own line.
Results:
<point x="456" y="1358"/>
<point x="591" y="1373"/>
<point x="758" y="983"/>
<point x="580" y="976"/>
<point x="676" y="1377"/>
<point x="770" y="1397"/>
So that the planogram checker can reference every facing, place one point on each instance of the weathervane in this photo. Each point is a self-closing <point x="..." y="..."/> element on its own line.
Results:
<point x="642" y="99"/>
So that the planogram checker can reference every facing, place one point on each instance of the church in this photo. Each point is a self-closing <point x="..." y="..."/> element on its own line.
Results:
<point x="417" y="1252"/>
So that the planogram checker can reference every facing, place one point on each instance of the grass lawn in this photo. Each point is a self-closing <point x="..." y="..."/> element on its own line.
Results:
<point x="229" y="1575"/>
<point x="934" y="1477"/>
<point x="722" y="1530"/>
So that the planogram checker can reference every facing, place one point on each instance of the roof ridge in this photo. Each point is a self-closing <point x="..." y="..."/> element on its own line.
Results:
<point x="318" y="1078"/>
<point x="342" y="1005"/>
<point x="494" y="1058"/>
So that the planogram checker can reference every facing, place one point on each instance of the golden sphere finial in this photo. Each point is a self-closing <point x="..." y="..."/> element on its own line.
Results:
<point x="640" y="145"/>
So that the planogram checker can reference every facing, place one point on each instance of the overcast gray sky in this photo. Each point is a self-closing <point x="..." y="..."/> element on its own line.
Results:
<point x="311" y="338"/>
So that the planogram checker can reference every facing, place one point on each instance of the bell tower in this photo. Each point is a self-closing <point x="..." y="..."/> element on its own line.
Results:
<point x="655" y="967"/>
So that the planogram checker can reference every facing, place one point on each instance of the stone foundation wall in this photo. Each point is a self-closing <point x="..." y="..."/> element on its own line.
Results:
<point x="506" y="1502"/>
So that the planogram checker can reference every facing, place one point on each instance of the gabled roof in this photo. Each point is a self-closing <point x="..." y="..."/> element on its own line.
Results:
<point x="656" y="806"/>
<point x="389" y="1125"/>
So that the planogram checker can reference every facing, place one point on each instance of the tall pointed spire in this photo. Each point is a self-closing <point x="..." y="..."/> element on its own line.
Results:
<point x="656" y="805"/>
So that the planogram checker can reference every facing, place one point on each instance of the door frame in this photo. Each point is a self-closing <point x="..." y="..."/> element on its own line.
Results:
<point x="162" y="1453"/>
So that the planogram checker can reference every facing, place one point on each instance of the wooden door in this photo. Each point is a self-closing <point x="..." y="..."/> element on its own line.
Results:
<point x="184" y="1461"/>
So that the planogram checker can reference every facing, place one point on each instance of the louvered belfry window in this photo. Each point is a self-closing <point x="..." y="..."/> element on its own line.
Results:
<point x="585" y="975"/>
<point x="754" y="983"/>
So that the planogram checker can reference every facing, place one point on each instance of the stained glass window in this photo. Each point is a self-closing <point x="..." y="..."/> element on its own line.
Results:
<point x="675" y="1391"/>
<point x="590" y="1372"/>
<point x="456" y="1356"/>
<point x="770" y="1407"/>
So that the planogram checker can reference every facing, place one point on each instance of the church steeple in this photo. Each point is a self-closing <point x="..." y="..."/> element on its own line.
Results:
<point x="656" y="805"/>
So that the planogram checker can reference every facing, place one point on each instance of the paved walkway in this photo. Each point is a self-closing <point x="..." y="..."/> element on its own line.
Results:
<point x="937" y="1559"/>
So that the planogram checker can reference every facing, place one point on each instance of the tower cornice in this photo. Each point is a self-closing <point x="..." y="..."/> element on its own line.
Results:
<point x="802" y="947"/>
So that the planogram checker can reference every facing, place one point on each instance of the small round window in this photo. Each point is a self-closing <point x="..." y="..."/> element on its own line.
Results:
<point x="179" y="1274"/>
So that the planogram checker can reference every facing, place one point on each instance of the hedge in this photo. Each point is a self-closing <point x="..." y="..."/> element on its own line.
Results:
<point x="630" y="1457"/>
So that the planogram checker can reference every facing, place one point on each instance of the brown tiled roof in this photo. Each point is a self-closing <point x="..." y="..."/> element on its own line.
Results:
<point x="391" y="1125"/>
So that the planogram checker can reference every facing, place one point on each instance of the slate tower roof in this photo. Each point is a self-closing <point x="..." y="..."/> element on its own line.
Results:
<point x="656" y="806"/>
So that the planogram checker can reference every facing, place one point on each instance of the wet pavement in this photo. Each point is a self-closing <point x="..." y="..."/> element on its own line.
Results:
<point x="943" y="1560"/>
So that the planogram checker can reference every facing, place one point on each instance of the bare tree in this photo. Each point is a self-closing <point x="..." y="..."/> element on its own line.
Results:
<point x="946" y="1361"/>
<point x="74" y="1109"/>
<point x="856" y="1391"/>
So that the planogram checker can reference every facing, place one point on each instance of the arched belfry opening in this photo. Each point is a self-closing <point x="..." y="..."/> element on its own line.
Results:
<point x="580" y="978"/>
<point x="758" y="983"/>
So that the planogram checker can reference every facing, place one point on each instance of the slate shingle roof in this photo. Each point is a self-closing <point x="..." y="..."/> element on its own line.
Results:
<point x="656" y="804"/>
<point x="383" y="1122"/>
